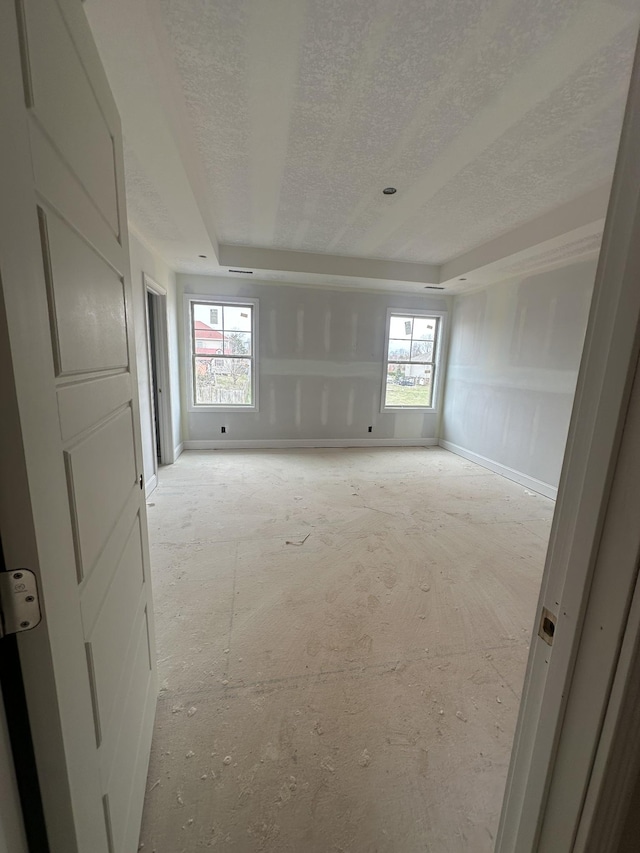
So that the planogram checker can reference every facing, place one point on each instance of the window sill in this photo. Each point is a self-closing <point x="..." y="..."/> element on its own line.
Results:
<point x="426" y="410"/>
<point x="222" y="409"/>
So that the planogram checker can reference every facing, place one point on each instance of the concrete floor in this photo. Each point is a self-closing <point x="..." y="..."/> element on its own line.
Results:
<point x="342" y="637"/>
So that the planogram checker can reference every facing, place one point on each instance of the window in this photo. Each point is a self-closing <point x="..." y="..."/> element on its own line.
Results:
<point x="413" y="341"/>
<point x="223" y="342"/>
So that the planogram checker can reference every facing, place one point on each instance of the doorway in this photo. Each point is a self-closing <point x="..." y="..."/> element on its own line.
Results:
<point x="157" y="442"/>
<point x="152" y="311"/>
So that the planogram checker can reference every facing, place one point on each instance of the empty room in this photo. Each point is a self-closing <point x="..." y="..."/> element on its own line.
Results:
<point x="320" y="423"/>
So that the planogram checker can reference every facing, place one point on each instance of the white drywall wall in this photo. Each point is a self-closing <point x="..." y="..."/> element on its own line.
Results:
<point x="514" y="353"/>
<point x="321" y="359"/>
<point x="144" y="261"/>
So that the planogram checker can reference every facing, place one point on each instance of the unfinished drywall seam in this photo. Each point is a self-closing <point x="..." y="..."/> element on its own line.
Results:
<point x="320" y="368"/>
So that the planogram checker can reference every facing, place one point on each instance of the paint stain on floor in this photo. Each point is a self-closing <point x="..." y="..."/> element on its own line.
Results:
<point x="341" y="637"/>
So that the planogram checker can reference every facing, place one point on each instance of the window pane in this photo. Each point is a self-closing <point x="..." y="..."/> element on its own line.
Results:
<point x="237" y="343"/>
<point x="207" y="341"/>
<point x="409" y="385"/>
<point x="223" y="381"/>
<point x="206" y="338"/>
<point x="424" y="328"/>
<point x="400" y="327"/>
<point x="237" y="318"/>
<point x="210" y="315"/>
<point x="399" y="350"/>
<point x="422" y="350"/>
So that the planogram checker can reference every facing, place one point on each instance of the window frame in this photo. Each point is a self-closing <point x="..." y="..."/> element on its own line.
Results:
<point x="439" y="350"/>
<point x="213" y="300"/>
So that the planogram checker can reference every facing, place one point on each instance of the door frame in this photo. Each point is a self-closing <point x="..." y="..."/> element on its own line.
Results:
<point x="558" y="736"/>
<point x="13" y="826"/>
<point x="616" y="765"/>
<point x="22" y="823"/>
<point x="162" y="372"/>
<point x="12" y="829"/>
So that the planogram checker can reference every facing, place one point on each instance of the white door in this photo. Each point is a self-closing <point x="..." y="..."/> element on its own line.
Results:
<point x="71" y="504"/>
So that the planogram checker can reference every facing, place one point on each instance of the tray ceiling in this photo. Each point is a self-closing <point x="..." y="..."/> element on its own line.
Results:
<point x="289" y="117"/>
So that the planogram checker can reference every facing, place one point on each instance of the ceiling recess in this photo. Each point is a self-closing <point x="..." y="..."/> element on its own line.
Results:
<point x="244" y="272"/>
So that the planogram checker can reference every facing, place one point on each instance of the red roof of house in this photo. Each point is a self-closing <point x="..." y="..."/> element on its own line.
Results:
<point x="205" y="331"/>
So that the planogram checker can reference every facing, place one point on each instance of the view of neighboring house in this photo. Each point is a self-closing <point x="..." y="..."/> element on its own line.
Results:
<point x="208" y="341"/>
<point x="409" y="374"/>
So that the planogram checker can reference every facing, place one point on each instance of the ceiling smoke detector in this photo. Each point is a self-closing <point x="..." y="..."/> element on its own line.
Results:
<point x="389" y="190"/>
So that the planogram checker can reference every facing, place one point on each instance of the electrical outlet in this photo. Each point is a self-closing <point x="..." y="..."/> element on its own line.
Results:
<point x="223" y="429"/>
<point x="370" y="429"/>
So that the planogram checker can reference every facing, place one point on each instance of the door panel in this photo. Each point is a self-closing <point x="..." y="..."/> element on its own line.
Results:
<point x="79" y="279"/>
<point x="130" y="703"/>
<point x="76" y="514"/>
<point x="81" y="403"/>
<point x="98" y="496"/>
<point x="107" y="648"/>
<point x="96" y="587"/>
<point x="127" y="776"/>
<point x="66" y="194"/>
<point x="65" y="105"/>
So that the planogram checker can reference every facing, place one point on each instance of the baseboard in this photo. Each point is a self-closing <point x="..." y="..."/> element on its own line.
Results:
<point x="284" y="443"/>
<point x="150" y="485"/>
<point x="177" y="450"/>
<point x="510" y="473"/>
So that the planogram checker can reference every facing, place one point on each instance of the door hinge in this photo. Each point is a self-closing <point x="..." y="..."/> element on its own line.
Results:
<point x="19" y="603"/>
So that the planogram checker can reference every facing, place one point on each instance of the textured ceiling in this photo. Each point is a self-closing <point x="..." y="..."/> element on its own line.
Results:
<point x="260" y="133"/>
<point x="483" y="113"/>
<point x="145" y="206"/>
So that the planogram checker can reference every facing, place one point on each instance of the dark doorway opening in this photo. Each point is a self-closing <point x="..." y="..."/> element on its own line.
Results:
<point x="152" y="308"/>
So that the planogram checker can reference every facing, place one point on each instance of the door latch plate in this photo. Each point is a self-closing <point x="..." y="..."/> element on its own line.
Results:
<point x="547" y="626"/>
<point x="19" y="604"/>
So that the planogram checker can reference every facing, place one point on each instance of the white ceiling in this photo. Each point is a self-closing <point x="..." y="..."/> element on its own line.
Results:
<point x="275" y="125"/>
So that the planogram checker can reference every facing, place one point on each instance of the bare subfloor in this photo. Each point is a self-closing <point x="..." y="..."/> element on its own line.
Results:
<point x="342" y="636"/>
